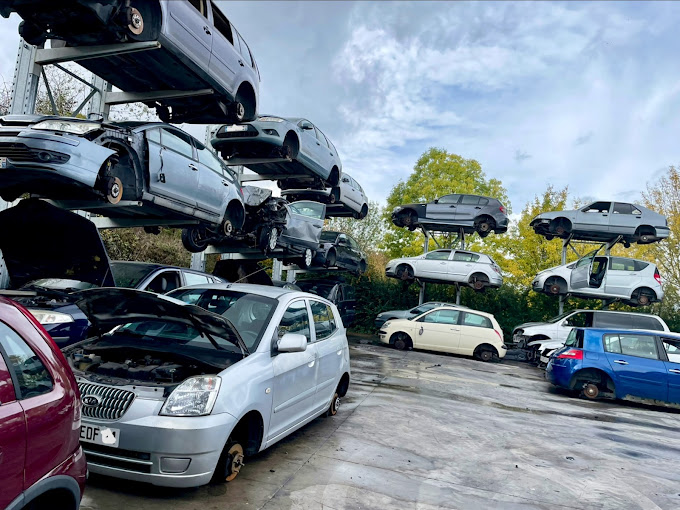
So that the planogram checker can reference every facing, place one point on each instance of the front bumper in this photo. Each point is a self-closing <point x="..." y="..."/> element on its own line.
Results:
<point x="383" y="337"/>
<point x="161" y="450"/>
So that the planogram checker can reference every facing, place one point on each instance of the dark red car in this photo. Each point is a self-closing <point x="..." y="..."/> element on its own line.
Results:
<point x="41" y="462"/>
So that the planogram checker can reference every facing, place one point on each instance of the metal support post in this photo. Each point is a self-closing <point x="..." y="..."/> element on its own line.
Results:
<point x="562" y="299"/>
<point x="426" y="248"/>
<point x="461" y="243"/>
<point x="291" y="275"/>
<point x="458" y="293"/>
<point x="26" y="80"/>
<point x="276" y="269"/>
<point x="198" y="261"/>
<point x="98" y="104"/>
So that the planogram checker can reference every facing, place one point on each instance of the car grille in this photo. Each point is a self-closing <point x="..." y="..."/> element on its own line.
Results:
<point x="127" y="460"/>
<point x="16" y="152"/>
<point x="113" y="402"/>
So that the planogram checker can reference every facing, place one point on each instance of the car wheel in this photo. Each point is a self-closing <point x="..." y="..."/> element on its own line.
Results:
<point x="194" y="239"/>
<point x="230" y="463"/>
<point x="485" y="355"/>
<point x="364" y="212"/>
<point x="32" y="33"/>
<point x="400" y="343"/>
<point x="484" y="227"/>
<point x="590" y="391"/>
<point x="238" y="111"/>
<point x="114" y="190"/>
<point x="306" y="260"/>
<point x="335" y="405"/>
<point x="268" y="239"/>
<point x="405" y="273"/>
<point x="479" y="282"/>
<point x="643" y="299"/>
<point x="143" y="21"/>
<point x="331" y="259"/>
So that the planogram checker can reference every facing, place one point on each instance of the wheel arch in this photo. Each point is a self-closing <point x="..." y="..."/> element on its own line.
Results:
<point x="343" y="385"/>
<point x="236" y="212"/>
<point x="246" y="94"/>
<point x="593" y="374"/>
<point x="56" y="489"/>
<point x="249" y="432"/>
<point x="292" y="135"/>
<point x="141" y="172"/>
<point x="334" y="176"/>
<point x="485" y="346"/>
<point x="393" y="337"/>
<point x="645" y="229"/>
<point x="636" y="293"/>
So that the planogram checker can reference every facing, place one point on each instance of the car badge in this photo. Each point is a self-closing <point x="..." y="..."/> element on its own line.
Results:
<point x="91" y="401"/>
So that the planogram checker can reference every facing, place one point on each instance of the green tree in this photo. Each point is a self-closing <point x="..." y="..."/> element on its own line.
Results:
<point x="368" y="232"/>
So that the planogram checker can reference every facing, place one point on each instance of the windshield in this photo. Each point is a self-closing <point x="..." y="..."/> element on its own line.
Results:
<point x="559" y="317"/>
<point x="424" y="308"/>
<point x="249" y="313"/>
<point x="320" y="289"/>
<point x="329" y="237"/>
<point x="130" y="274"/>
<point x="61" y="284"/>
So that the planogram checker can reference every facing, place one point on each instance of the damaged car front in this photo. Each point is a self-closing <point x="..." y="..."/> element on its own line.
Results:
<point x="162" y="386"/>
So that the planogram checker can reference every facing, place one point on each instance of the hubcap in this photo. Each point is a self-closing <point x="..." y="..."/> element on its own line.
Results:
<point x="273" y="237"/>
<point x="337" y="403"/>
<point x="308" y="257"/>
<point x="240" y="110"/>
<point x="136" y="25"/>
<point x="228" y="227"/>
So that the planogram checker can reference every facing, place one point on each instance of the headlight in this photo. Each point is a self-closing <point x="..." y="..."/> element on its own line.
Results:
<point x="45" y="317"/>
<point x="386" y="324"/>
<point x="269" y="119"/>
<point x="76" y="128"/>
<point x="398" y="208"/>
<point x="194" y="397"/>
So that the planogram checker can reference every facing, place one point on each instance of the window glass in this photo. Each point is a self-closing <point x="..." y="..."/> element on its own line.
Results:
<point x="622" y="208"/>
<point x="177" y="142"/>
<point x="153" y="135"/>
<point x="613" y="320"/>
<point x="612" y="344"/>
<point x="449" y="199"/>
<point x="222" y="24"/>
<point x="353" y="244"/>
<point x="164" y="282"/>
<point x="245" y="52"/>
<point x="672" y="348"/>
<point x="636" y="210"/>
<point x="206" y="157"/>
<point x="470" y="200"/>
<point x="195" y="279"/>
<point x="438" y="255"/>
<point x="621" y="264"/>
<point x="483" y="201"/>
<point x="575" y="338"/>
<point x="638" y="345"/>
<point x="295" y="320"/>
<point x="646" y="322"/>
<point x="309" y="209"/>
<point x="597" y="207"/>
<point x="32" y="378"/>
<point x="199" y="5"/>
<point x="463" y="256"/>
<point x="584" y="261"/>
<point x="442" y="317"/>
<point x="639" y="265"/>
<point x="580" y="320"/>
<point x="329" y="237"/>
<point x="322" y="139"/>
<point x="324" y="322"/>
<point x="472" y="319"/>
<point x="424" y="308"/>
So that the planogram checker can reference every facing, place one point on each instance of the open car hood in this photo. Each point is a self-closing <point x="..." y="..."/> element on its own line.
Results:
<point x="39" y="240"/>
<point x="107" y="308"/>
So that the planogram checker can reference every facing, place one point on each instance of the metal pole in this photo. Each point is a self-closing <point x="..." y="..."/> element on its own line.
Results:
<point x="276" y="270"/>
<point x="562" y="299"/>
<point x="458" y="293"/>
<point x="198" y="261"/>
<point x="426" y="247"/>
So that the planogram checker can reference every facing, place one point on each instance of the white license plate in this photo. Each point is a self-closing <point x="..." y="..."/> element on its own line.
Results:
<point x="3" y="162"/>
<point x="99" y="434"/>
<point x="236" y="128"/>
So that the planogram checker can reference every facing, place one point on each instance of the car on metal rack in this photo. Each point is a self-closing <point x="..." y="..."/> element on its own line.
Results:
<point x="181" y="389"/>
<point x="635" y="282"/>
<point x="476" y="270"/>
<point x="301" y="237"/>
<point x="447" y="329"/>
<point x="338" y="249"/>
<point x="604" y="221"/>
<point x="42" y="464"/>
<point x="336" y="291"/>
<point x="383" y="317"/>
<point x="197" y="50"/>
<point x="345" y="199"/>
<point x="451" y="213"/>
<point x="302" y="155"/>
<point x="161" y="171"/>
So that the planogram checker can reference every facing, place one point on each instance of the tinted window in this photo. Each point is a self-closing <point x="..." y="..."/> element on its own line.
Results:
<point x="295" y="320"/>
<point x="309" y="209"/>
<point x="442" y="317"/>
<point x="222" y="24"/>
<point x="199" y="5"/>
<point x="613" y="320"/>
<point x="324" y="321"/>
<point x="469" y="200"/>
<point x="329" y="237"/>
<point x="245" y="52"/>
<point x="424" y="308"/>
<point x="195" y="279"/>
<point x="353" y="244"/>
<point x="621" y="264"/>
<point x="641" y="346"/>
<point x="472" y="319"/>
<point x="31" y="376"/>
<point x="462" y="256"/>
<point x="320" y="289"/>
<point x="449" y="199"/>
<point x="177" y="142"/>
<point x="575" y="338"/>
<point x="483" y="201"/>
<point x="672" y="348"/>
<point x="438" y="255"/>
<point x="580" y="320"/>
<point x="639" y="265"/>
<point x="598" y="207"/>
<point x="646" y="322"/>
<point x="206" y="157"/>
<point x="623" y="208"/>
<point x="129" y="274"/>
<point x="164" y="282"/>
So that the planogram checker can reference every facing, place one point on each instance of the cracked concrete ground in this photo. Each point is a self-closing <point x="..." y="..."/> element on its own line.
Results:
<point x="419" y="430"/>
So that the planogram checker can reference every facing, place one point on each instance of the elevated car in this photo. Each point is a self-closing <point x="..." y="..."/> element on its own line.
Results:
<point x="618" y="363"/>
<point x="344" y="200"/>
<point x="635" y="282"/>
<point x="158" y="169"/>
<point x="197" y="50"/>
<point x="382" y="317"/>
<point x="450" y="213"/>
<point x="448" y="329"/>
<point x="476" y="270"/>
<point x="41" y="462"/>
<point x="303" y="156"/>
<point x="604" y="221"/>
<point x="301" y="237"/>
<point x="337" y="292"/>
<point x="181" y="390"/>
<point x="338" y="249"/>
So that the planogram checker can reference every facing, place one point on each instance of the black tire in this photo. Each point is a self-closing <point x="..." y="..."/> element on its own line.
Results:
<point x="193" y="239"/>
<point x="485" y="355"/>
<point x="267" y="239"/>
<point x="306" y="260"/>
<point x="364" y="212"/>
<point x="331" y="259"/>
<point x="229" y="464"/>
<point x="32" y="33"/>
<point x="335" y="405"/>
<point x="148" y="14"/>
<point x="401" y="342"/>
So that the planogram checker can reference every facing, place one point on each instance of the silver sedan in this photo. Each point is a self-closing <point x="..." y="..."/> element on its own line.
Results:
<point x="176" y="394"/>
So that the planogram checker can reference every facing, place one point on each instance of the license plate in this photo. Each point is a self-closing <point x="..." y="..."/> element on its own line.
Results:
<point x="99" y="434"/>
<point x="3" y="162"/>
<point x="236" y="128"/>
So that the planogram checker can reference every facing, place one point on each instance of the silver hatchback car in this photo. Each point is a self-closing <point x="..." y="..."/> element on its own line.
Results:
<point x="176" y="391"/>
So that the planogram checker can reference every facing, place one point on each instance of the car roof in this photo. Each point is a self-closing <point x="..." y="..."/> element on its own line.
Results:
<point x="665" y="334"/>
<point x="251" y="288"/>
<point x="618" y="311"/>
<point x="466" y="309"/>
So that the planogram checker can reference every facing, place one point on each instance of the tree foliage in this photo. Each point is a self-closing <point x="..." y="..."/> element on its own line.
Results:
<point x="368" y="232"/>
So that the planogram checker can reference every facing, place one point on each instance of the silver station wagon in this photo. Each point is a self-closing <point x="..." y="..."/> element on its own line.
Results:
<point x="178" y="390"/>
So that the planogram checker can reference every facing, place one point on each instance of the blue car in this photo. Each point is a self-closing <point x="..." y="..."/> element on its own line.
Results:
<point x="618" y="363"/>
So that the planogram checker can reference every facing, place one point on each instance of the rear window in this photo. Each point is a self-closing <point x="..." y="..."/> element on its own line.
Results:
<point x="575" y="338"/>
<point x="647" y="322"/>
<point x="614" y="320"/>
<point x="129" y="274"/>
<point x="479" y="321"/>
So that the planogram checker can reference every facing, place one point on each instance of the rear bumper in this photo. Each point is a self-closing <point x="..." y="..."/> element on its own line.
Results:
<point x="561" y="374"/>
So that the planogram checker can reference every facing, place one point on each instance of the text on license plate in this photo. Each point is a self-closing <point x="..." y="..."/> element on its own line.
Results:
<point x="236" y="128"/>
<point x="99" y="435"/>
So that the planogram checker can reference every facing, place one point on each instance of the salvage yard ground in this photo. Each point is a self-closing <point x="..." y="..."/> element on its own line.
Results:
<point x="423" y="430"/>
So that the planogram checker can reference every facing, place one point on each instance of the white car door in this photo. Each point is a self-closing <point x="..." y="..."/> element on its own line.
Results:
<point x="622" y="276"/>
<point x="433" y="265"/>
<point x="461" y="265"/>
<point x="308" y="145"/>
<point x="295" y="373"/>
<point x="475" y="330"/>
<point x="329" y="343"/>
<point x="438" y="331"/>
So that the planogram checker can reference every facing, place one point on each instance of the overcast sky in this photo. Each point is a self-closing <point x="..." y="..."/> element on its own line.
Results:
<point x="585" y="93"/>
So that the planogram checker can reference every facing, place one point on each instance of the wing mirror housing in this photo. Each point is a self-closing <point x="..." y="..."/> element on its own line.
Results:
<point x="345" y="179"/>
<point x="292" y="342"/>
<point x="307" y="125"/>
<point x="436" y="200"/>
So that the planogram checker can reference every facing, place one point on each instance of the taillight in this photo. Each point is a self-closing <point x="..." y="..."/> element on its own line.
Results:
<point x="502" y="209"/>
<point x="571" y="354"/>
<point x="657" y="276"/>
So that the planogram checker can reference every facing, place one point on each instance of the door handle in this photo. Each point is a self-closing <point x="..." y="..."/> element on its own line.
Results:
<point x="318" y="143"/>
<point x="620" y="362"/>
<point x="674" y="371"/>
<point x="605" y="215"/>
<point x="193" y="167"/>
<point x="477" y="207"/>
<point x="206" y="30"/>
<point x="240" y="62"/>
<point x="310" y="363"/>
<point x="452" y="206"/>
<point x="442" y="263"/>
<point x="225" y="183"/>
<point x="455" y="329"/>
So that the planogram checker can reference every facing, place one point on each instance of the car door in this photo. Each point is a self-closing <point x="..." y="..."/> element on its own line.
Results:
<point x="671" y="347"/>
<point x="342" y="249"/>
<point x="347" y="299"/>
<point x="295" y="373"/>
<point x="12" y="436"/>
<point x="305" y="223"/>
<point x="461" y="265"/>
<point x="351" y="194"/>
<point x="323" y="151"/>
<point x="622" y="277"/>
<point x="438" y="331"/>
<point x="173" y="169"/>
<point x="475" y="329"/>
<point x="625" y="218"/>
<point x="468" y="209"/>
<point x="433" y="265"/>
<point x="308" y="146"/>
<point x="443" y="209"/>
<point x="636" y="364"/>
<point x="212" y="184"/>
<point x="593" y="218"/>
<point x="328" y="340"/>
<point x="188" y="27"/>
<point x="355" y="250"/>
<point x="225" y="55"/>
<point x="580" y="275"/>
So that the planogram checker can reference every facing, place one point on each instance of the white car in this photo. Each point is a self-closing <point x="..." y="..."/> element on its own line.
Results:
<point x="542" y="338"/>
<point x="346" y="199"/>
<point x="636" y="282"/>
<point x="448" y="329"/>
<point x="454" y="266"/>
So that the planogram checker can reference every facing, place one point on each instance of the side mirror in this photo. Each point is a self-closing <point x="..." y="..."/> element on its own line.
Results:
<point x="436" y="200"/>
<point x="307" y="126"/>
<point x="345" y="179"/>
<point x="292" y="342"/>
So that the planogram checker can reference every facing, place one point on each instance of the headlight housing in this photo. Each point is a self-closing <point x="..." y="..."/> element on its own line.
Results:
<point x="269" y="119"/>
<point x="396" y="209"/>
<point x="194" y="397"/>
<point x="386" y="324"/>
<point x="47" y="317"/>
<point x="67" y="126"/>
